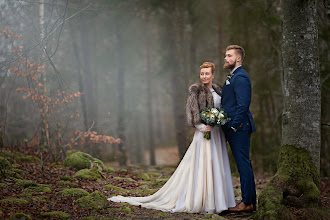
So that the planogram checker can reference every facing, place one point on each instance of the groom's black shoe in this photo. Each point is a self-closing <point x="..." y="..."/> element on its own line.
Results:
<point x="241" y="207"/>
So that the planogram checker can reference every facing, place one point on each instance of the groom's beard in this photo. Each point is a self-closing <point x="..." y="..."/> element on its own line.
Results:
<point x="228" y="66"/>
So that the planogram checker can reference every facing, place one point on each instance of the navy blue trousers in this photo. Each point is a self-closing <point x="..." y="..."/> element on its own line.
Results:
<point x="240" y="146"/>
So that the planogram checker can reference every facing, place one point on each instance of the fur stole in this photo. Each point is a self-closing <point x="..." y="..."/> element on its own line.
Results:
<point x="199" y="98"/>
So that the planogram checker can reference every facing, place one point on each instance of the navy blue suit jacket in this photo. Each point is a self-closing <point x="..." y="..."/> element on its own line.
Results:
<point x="236" y="100"/>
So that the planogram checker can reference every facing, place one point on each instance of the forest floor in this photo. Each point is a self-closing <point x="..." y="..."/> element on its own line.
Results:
<point x="42" y="192"/>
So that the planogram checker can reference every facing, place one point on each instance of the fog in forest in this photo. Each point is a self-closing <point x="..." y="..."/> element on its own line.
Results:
<point x="122" y="69"/>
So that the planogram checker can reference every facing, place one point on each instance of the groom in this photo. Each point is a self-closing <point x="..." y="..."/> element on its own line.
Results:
<point x="236" y="99"/>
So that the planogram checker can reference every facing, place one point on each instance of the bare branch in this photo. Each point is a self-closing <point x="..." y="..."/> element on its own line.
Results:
<point x="77" y="138"/>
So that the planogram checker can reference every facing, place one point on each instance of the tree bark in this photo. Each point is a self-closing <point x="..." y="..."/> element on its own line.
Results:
<point x="177" y="81"/>
<point x="297" y="180"/>
<point x="302" y="94"/>
<point x="121" y="127"/>
<point x="80" y="77"/>
<point x="88" y="79"/>
<point x="149" y="91"/>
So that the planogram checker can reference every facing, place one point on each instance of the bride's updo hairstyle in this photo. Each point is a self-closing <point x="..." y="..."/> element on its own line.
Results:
<point x="207" y="65"/>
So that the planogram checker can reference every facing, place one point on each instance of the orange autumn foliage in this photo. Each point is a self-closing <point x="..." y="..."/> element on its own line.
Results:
<point x="40" y="95"/>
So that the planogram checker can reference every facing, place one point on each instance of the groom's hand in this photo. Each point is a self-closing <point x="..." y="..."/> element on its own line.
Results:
<point x="208" y="128"/>
<point x="234" y="129"/>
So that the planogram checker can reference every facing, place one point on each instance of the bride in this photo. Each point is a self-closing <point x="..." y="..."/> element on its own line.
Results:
<point x="202" y="182"/>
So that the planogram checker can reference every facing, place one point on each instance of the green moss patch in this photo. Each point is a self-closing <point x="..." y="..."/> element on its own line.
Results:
<point x="54" y="214"/>
<point x="127" y="210"/>
<point x="124" y="179"/>
<point x="110" y="170"/>
<point x="95" y="200"/>
<point x="88" y="174"/>
<point x="73" y="192"/>
<point x="19" y="171"/>
<point x="144" y="192"/>
<point x="39" y="188"/>
<point x="27" y="159"/>
<point x="144" y="176"/>
<point x="17" y="201"/>
<point x="69" y="152"/>
<point x="296" y="184"/>
<point x="99" y="164"/>
<point x="159" y="182"/>
<point x="213" y="216"/>
<point x="20" y="216"/>
<point x="66" y="183"/>
<point x="17" y="157"/>
<point x="3" y="185"/>
<point x="40" y="199"/>
<point x="153" y="174"/>
<point x="78" y="160"/>
<point x="168" y="170"/>
<point x="57" y="165"/>
<point x="5" y="166"/>
<point x="66" y="178"/>
<point x="115" y="189"/>
<point x="99" y="218"/>
<point x="25" y="183"/>
<point x="144" y="186"/>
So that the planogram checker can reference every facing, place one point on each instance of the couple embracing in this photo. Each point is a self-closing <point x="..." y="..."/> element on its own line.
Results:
<point x="202" y="182"/>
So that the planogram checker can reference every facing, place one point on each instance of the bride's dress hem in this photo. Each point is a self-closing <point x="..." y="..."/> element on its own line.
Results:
<point x="167" y="210"/>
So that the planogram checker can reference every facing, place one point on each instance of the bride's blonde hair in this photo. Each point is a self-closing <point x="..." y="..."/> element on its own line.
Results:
<point x="208" y="65"/>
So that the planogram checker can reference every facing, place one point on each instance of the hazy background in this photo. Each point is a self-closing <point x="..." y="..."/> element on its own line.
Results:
<point x="134" y="60"/>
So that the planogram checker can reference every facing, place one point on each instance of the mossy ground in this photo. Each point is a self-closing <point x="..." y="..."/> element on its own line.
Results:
<point x="66" y="183"/>
<point x="39" y="188"/>
<point x="124" y="179"/>
<point x="14" y="201"/>
<point x="18" y="157"/>
<point x="20" y="216"/>
<point x="88" y="174"/>
<point x="94" y="201"/>
<point x="78" y="160"/>
<point x="73" y="192"/>
<point x="116" y="190"/>
<point x="128" y="182"/>
<point x="54" y="214"/>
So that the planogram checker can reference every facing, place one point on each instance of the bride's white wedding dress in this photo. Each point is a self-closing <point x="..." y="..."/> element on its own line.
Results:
<point x="202" y="182"/>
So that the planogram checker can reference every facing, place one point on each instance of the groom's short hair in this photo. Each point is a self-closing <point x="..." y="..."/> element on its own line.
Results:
<point x="240" y="50"/>
<point x="208" y="65"/>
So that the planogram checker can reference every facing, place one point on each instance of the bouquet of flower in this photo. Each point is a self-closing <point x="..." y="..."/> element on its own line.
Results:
<point x="213" y="117"/>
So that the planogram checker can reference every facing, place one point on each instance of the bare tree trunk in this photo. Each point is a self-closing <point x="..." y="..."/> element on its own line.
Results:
<point x="149" y="91"/>
<point x="44" y="79"/>
<point x="122" y="158"/>
<point x="88" y="79"/>
<point x="138" y="147"/>
<point x="177" y="81"/>
<point x="80" y="77"/>
<point x="297" y="180"/>
<point x="302" y="95"/>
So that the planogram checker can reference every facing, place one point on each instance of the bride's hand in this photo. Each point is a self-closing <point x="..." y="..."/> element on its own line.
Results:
<point x="208" y="128"/>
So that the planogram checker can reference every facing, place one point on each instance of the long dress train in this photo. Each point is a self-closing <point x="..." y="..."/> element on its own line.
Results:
<point x="201" y="183"/>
